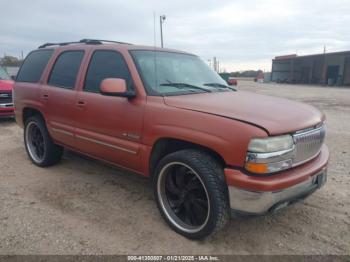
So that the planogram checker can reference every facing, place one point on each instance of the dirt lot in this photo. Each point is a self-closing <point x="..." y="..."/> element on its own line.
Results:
<point x="85" y="207"/>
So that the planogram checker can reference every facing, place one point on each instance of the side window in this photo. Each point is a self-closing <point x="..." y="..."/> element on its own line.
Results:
<point x="65" y="70"/>
<point x="33" y="66"/>
<point x="105" y="64"/>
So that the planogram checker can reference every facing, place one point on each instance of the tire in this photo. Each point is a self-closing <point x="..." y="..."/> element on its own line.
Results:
<point x="40" y="148"/>
<point x="191" y="193"/>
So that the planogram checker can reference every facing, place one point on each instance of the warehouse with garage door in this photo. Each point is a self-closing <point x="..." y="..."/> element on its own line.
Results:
<point x="331" y="69"/>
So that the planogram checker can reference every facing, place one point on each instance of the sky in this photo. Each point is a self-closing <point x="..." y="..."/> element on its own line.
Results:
<point x="243" y="35"/>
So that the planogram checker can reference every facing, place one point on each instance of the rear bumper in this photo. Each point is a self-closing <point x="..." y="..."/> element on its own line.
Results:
<point x="260" y="195"/>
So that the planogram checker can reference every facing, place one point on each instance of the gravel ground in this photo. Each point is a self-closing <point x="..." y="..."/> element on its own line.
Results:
<point x="85" y="207"/>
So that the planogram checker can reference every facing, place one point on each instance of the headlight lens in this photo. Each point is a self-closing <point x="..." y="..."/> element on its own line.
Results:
<point x="270" y="144"/>
<point x="269" y="155"/>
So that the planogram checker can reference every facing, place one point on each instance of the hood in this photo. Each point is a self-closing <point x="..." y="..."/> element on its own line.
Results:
<point x="274" y="115"/>
<point x="6" y="85"/>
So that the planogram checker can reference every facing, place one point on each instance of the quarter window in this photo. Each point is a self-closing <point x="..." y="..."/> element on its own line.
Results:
<point x="64" y="72"/>
<point x="33" y="66"/>
<point x="105" y="64"/>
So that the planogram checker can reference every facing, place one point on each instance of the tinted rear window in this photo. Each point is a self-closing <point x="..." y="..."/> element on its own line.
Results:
<point x="33" y="66"/>
<point x="64" y="72"/>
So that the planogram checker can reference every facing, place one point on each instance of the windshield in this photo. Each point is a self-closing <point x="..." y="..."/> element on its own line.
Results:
<point x="3" y="74"/>
<point x="169" y="73"/>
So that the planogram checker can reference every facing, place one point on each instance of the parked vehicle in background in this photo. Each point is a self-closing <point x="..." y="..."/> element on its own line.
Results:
<point x="6" y="86"/>
<point x="260" y="77"/>
<point x="208" y="148"/>
<point x="232" y="81"/>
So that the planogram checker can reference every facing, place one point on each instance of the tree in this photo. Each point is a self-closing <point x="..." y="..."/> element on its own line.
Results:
<point x="10" y="61"/>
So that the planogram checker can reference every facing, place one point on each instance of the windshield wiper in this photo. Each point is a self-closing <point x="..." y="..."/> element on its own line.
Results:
<point x="219" y="85"/>
<point x="184" y="85"/>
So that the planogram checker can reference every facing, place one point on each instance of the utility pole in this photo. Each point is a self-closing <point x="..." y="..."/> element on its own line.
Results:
<point x="215" y="64"/>
<point x="161" y="21"/>
<point x="324" y="73"/>
<point x="209" y="62"/>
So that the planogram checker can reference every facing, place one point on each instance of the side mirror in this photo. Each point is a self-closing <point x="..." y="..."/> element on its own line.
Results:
<point x="13" y="77"/>
<point x="115" y="87"/>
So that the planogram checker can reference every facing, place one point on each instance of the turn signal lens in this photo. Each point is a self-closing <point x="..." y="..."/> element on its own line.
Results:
<point x="264" y="168"/>
<point x="258" y="168"/>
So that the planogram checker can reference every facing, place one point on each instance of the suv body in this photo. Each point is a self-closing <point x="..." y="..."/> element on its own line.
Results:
<point x="6" y="103"/>
<point x="208" y="148"/>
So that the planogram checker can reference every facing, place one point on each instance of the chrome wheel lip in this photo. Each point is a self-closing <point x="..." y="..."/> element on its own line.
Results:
<point x="164" y="203"/>
<point x="29" y="142"/>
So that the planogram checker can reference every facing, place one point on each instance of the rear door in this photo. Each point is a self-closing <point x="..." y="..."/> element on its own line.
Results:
<point x="29" y="81"/>
<point x="59" y="95"/>
<point x="109" y="127"/>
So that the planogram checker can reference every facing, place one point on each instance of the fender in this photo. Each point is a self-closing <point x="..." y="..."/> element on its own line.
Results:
<point x="227" y="137"/>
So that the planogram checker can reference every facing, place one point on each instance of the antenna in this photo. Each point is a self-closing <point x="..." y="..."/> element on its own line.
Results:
<point x="155" y="51"/>
<point x="154" y="29"/>
<point x="161" y="21"/>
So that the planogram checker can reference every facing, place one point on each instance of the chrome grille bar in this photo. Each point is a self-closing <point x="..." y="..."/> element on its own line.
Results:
<point x="308" y="144"/>
<point x="5" y="97"/>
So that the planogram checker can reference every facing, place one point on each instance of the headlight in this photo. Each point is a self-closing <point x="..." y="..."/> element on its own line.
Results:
<point x="270" y="144"/>
<point x="269" y="155"/>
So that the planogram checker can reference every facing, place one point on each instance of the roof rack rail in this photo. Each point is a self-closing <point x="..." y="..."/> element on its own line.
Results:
<point x="84" y="41"/>
<point x="60" y="44"/>
<point x="99" y="41"/>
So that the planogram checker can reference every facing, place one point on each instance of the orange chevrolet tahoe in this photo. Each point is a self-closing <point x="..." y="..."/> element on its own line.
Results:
<point x="210" y="150"/>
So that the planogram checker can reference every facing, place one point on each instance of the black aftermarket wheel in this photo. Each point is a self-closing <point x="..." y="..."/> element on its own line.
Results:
<point x="39" y="145"/>
<point x="191" y="193"/>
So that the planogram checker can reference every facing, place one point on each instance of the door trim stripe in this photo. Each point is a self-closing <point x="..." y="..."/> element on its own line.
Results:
<point x="57" y="130"/>
<point x="105" y="144"/>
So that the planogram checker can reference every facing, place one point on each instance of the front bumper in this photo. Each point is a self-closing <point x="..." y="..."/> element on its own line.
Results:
<point x="7" y="110"/>
<point x="260" y="195"/>
<point x="250" y="202"/>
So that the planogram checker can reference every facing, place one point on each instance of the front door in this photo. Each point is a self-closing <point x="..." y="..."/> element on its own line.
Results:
<point x="109" y="127"/>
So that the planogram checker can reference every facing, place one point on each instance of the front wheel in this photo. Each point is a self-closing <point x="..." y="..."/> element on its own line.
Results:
<point x="41" y="149"/>
<point x="191" y="193"/>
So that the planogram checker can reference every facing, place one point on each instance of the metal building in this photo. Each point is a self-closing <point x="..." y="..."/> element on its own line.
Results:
<point x="325" y="69"/>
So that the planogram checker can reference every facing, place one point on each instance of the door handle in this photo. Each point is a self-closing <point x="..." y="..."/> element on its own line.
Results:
<point x="45" y="96"/>
<point x="81" y="104"/>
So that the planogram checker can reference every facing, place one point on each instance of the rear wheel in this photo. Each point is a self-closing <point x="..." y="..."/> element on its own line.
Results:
<point x="41" y="150"/>
<point x="191" y="193"/>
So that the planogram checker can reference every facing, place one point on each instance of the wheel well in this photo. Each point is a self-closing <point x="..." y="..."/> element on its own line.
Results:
<point x="166" y="146"/>
<point x="28" y="112"/>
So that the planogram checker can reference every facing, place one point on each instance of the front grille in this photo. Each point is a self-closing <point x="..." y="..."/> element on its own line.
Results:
<point x="308" y="144"/>
<point x="5" y="97"/>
